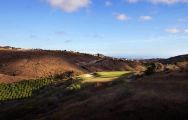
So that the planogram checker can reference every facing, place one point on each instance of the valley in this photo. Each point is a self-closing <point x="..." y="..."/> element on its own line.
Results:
<point x="77" y="86"/>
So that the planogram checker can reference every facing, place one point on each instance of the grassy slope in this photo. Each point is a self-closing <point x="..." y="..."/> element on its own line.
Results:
<point x="32" y="64"/>
<point x="103" y="76"/>
<point x="112" y="74"/>
<point x="156" y="97"/>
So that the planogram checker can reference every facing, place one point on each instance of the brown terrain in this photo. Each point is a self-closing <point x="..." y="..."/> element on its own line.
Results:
<point x="161" y="95"/>
<point x="156" y="97"/>
<point x="18" y="64"/>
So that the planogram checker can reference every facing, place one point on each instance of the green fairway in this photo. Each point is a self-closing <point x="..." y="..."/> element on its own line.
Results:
<point x="103" y="76"/>
<point x="112" y="74"/>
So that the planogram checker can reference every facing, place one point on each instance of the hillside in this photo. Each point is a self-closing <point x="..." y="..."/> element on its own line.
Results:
<point x="21" y="64"/>
<point x="65" y="85"/>
<point x="18" y="64"/>
<point x="160" y="96"/>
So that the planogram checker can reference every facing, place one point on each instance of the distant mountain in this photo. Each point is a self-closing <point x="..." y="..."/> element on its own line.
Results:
<point x="7" y="48"/>
<point x="178" y="58"/>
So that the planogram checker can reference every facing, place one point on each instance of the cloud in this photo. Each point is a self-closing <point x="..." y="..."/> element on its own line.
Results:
<point x="69" y="5"/>
<point x="164" y="1"/>
<point x="60" y="33"/>
<point x="121" y="16"/>
<point x="176" y="30"/>
<point x="173" y="30"/>
<point x="145" y="18"/>
<point x="108" y="3"/>
<point x="132" y="1"/>
<point x="184" y="19"/>
<point x="186" y="30"/>
<point x="181" y="20"/>
<point x="168" y="2"/>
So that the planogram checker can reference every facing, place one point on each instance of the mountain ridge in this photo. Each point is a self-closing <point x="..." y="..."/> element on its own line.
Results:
<point x="18" y="64"/>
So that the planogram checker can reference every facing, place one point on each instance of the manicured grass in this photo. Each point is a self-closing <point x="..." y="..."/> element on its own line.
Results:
<point x="112" y="74"/>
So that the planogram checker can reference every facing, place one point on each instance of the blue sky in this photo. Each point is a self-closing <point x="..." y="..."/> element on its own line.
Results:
<point x="121" y="28"/>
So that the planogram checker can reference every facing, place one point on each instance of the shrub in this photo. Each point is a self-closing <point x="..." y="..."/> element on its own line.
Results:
<point x="150" y="68"/>
<point x="65" y="75"/>
<point x="74" y="87"/>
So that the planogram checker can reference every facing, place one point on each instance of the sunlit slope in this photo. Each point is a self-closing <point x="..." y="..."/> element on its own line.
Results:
<point x="104" y="76"/>
<point x="17" y="65"/>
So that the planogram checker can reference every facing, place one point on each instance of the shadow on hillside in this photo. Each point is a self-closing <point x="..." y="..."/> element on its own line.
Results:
<point x="155" y="97"/>
<point x="39" y="63"/>
<point x="48" y="97"/>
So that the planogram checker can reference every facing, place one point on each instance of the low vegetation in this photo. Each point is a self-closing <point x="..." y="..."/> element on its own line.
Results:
<point x="25" y="89"/>
<point x="22" y="89"/>
<point x="99" y="95"/>
<point x="150" y="68"/>
<point x="74" y="87"/>
<point x="143" y="98"/>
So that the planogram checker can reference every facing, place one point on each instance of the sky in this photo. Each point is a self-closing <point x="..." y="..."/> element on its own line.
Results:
<point x="120" y="28"/>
